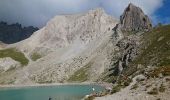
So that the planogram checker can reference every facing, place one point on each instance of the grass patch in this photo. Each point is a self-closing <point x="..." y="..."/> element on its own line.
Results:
<point x="155" y="51"/>
<point x="81" y="75"/>
<point x="121" y="83"/>
<point x="117" y="88"/>
<point x="165" y="70"/>
<point x="35" y="56"/>
<point x="107" y="76"/>
<point x="14" y="54"/>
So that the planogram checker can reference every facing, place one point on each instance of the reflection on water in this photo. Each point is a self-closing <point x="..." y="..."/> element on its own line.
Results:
<point x="62" y="92"/>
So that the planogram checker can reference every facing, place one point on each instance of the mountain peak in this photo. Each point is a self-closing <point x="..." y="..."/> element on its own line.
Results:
<point x="134" y="19"/>
<point x="131" y="4"/>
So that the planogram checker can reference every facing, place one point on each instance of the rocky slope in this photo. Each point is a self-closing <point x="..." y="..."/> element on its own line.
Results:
<point x="142" y="72"/>
<point x="93" y="46"/>
<point x="68" y="44"/>
<point x="143" y="89"/>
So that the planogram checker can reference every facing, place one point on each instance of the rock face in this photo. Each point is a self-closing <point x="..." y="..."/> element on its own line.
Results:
<point x="69" y="43"/>
<point x="87" y="44"/>
<point x="134" y="19"/>
<point x="8" y="63"/>
<point x="64" y="30"/>
<point x="127" y="50"/>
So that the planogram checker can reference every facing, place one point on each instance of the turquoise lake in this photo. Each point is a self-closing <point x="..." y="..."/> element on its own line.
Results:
<point x="60" y="92"/>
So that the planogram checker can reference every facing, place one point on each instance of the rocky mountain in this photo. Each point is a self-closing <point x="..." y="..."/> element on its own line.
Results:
<point x="142" y="71"/>
<point x="147" y="76"/>
<point x="134" y="19"/>
<point x="90" y="47"/>
<point x="15" y="32"/>
<point x="67" y="45"/>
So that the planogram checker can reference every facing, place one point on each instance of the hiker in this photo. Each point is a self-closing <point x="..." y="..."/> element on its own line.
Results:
<point x="93" y="89"/>
<point x="50" y="98"/>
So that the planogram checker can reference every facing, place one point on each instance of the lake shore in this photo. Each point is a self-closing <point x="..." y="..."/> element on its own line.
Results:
<point x="102" y="84"/>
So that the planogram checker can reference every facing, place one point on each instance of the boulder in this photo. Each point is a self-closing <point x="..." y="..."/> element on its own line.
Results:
<point x="8" y="63"/>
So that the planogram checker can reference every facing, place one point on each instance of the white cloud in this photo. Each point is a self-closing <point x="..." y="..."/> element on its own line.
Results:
<point x="117" y="6"/>
<point x="38" y="12"/>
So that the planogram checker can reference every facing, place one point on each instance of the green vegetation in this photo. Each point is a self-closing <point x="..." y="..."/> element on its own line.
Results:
<point x="116" y="88"/>
<point x="156" y="47"/>
<point x="109" y="79"/>
<point x="80" y="75"/>
<point x="154" y="50"/>
<point x="35" y="56"/>
<point x="121" y="83"/>
<point x="14" y="54"/>
<point x="106" y="77"/>
<point x="44" y="81"/>
<point x="165" y="70"/>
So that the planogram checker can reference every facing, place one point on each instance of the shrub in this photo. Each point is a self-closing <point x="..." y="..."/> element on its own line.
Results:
<point x="116" y="88"/>
<point x="14" y="54"/>
<point x="81" y="75"/>
<point x="35" y="56"/>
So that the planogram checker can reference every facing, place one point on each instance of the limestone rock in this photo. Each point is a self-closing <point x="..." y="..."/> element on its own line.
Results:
<point x="64" y="30"/>
<point x="75" y="42"/>
<point x="140" y="78"/>
<point x="71" y="42"/>
<point x="8" y="63"/>
<point x="134" y="19"/>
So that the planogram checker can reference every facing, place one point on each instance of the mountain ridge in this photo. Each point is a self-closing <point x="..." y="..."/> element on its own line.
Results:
<point x="88" y="47"/>
<point x="15" y="32"/>
<point x="87" y="40"/>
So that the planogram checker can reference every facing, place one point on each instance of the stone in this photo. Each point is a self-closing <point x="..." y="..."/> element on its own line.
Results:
<point x="8" y="63"/>
<point x="140" y="78"/>
<point x="134" y="19"/>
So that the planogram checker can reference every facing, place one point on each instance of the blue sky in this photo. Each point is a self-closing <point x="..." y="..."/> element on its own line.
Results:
<point x="38" y="12"/>
<point x="163" y="13"/>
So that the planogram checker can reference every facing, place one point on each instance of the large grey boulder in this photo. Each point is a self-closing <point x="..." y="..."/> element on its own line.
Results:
<point x="8" y="64"/>
<point x="134" y="19"/>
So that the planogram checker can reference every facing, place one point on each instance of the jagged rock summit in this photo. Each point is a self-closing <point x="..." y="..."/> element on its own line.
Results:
<point x="134" y="19"/>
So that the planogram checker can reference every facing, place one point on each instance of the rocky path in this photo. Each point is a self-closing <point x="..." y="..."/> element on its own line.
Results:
<point x="141" y="93"/>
